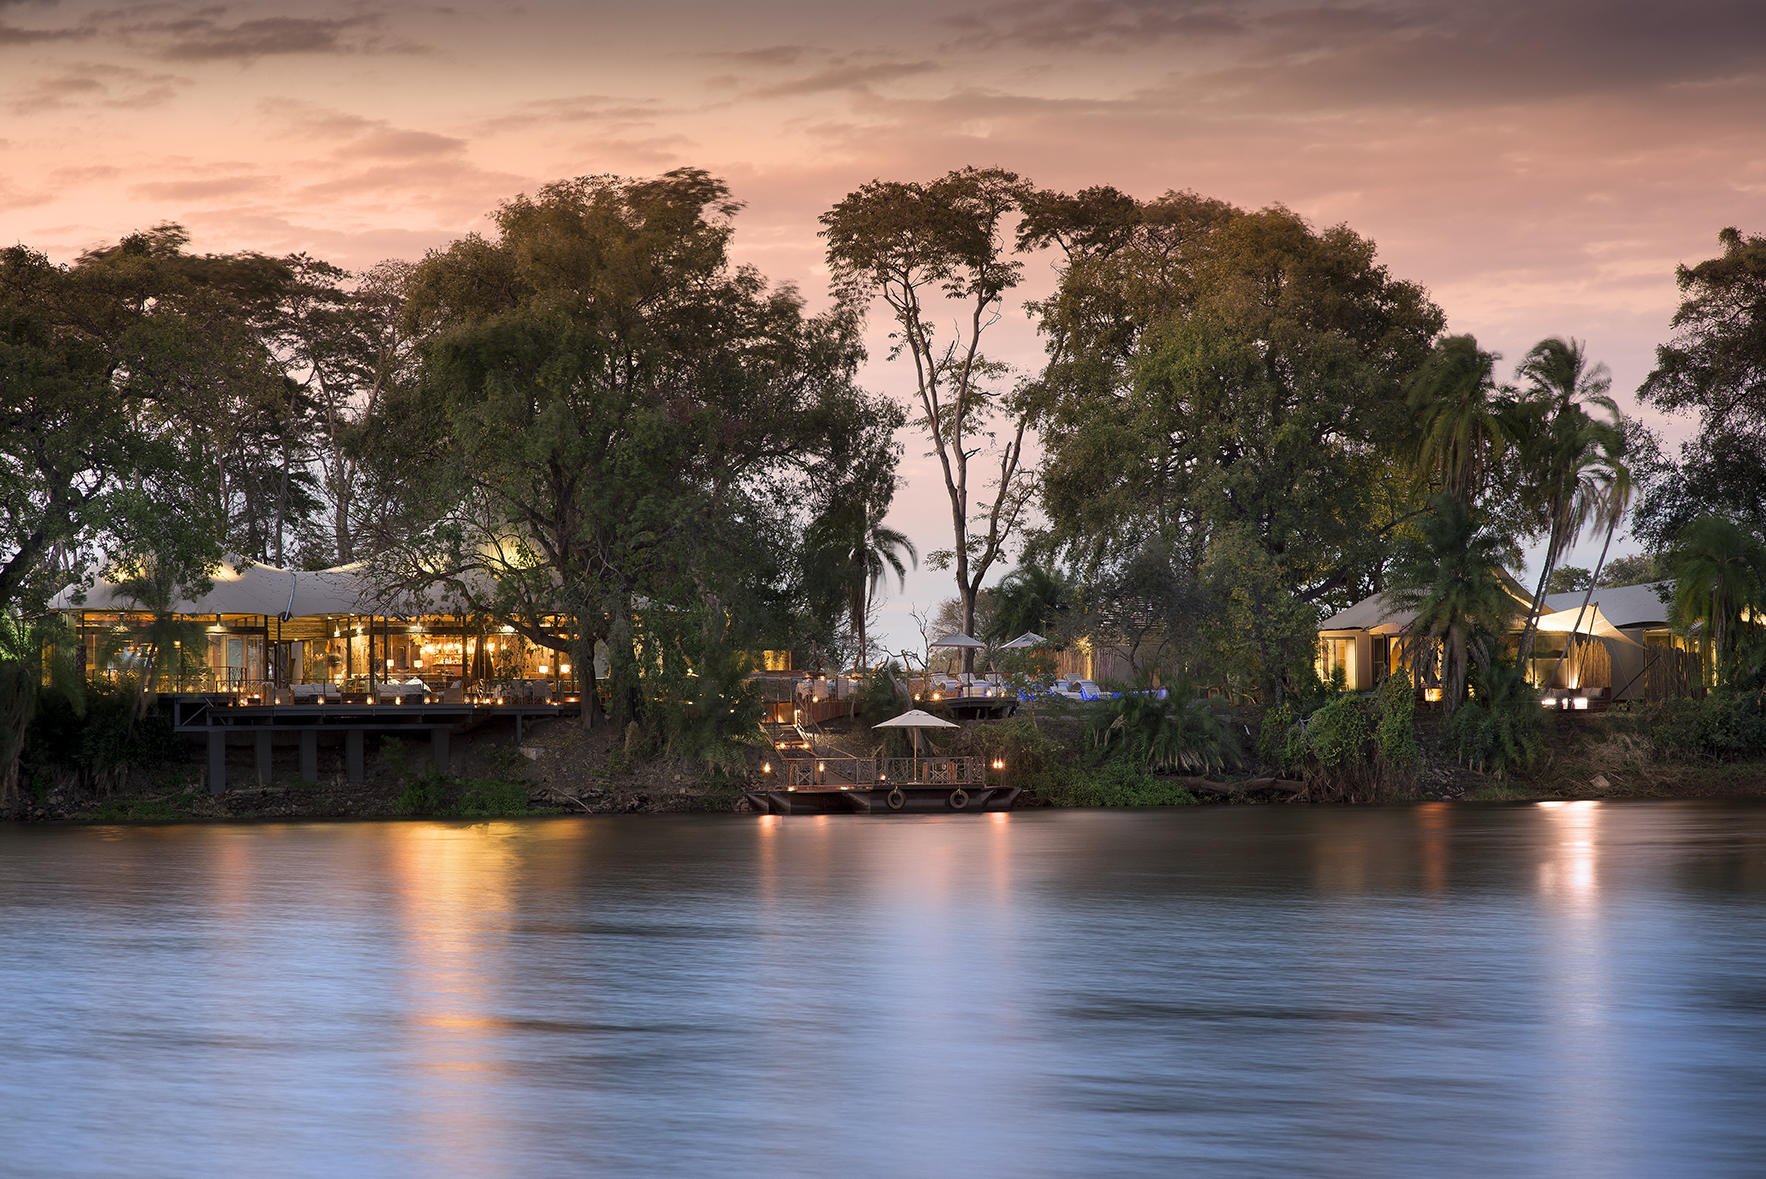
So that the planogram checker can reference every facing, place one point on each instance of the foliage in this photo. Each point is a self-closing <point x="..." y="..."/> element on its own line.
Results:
<point x="1502" y="727"/>
<point x="1222" y="385"/>
<point x="1353" y="748"/>
<point x="1572" y="579"/>
<point x="1715" y="366"/>
<point x="1721" y="725"/>
<point x="1573" y="460"/>
<point x="433" y="796"/>
<point x="1719" y="571"/>
<point x="1634" y="569"/>
<point x="1176" y="731"/>
<point x="607" y="415"/>
<point x="919" y="247"/>
<point x="1395" y="740"/>
<point x="1451" y="573"/>
<point x="1116" y="782"/>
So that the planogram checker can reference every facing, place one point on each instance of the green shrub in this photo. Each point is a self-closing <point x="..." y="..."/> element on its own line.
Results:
<point x="1395" y="731"/>
<point x="1178" y="732"/>
<point x="424" y="797"/>
<point x="1721" y="725"/>
<point x="489" y="798"/>
<point x="1340" y="735"/>
<point x="1114" y="783"/>
<point x="1501" y="728"/>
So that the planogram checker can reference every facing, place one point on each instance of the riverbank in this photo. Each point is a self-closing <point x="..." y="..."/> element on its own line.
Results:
<point x="558" y="768"/>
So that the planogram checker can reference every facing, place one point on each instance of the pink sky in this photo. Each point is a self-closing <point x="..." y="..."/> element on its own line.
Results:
<point x="1540" y="167"/>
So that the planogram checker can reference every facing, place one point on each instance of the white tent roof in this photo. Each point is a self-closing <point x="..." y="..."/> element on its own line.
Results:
<point x="243" y="588"/>
<point x="1028" y="639"/>
<point x="1625" y="605"/>
<point x="916" y="718"/>
<point x="1592" y="622"/>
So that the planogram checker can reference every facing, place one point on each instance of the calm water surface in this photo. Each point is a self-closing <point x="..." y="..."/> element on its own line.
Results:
<point x="1576" y="989"/>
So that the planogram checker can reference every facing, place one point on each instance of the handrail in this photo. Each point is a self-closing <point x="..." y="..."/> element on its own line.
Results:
<point x="844" y="773"/>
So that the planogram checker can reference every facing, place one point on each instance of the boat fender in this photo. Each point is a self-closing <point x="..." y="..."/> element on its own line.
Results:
<point x="896" y="799"/>
<point x="959" y="798"/>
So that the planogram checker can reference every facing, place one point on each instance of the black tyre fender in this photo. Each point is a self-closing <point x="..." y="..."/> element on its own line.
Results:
<point x="896" y="799"/>
<point x="959" y="798"/>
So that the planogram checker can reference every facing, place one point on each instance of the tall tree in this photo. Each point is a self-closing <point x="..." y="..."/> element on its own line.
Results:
<point x="1246" y="419"/>
<point x="1574" y="460"/>
<point x="1715" y="366"/>
<point x="1465" y="421"/>
<point x="610" y="431"/>
<point x="1719" y="573"/>
<point x="1452" y="573"/>
<point x="921" y="247"/>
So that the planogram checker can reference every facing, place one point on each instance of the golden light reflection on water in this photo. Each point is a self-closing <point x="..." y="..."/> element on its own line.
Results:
<point x="1433" y="822"/>
<point x="1571" y="871"/>
<point x="1575" y="962"/>
<point x="452" y="893"/>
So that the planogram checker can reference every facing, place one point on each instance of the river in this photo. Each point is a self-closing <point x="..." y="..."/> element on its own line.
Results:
<point x="1568" y="989"/>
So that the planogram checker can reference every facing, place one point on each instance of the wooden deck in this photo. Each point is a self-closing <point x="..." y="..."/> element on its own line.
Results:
<point x="797" y="779"/>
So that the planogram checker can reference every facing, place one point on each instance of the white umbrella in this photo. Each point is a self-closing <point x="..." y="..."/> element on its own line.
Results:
<point x="914" y="720"/>
<point x="960" y="640"/>
<point x="1028" y="639"/>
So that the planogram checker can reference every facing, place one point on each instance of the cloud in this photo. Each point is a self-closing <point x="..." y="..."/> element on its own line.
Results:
<point x="208" y="40"/>
<point x="97" y="85"/>
<point x="1065" y="25"/>
<point x="202" y="188"/>
<point x="765" y="55"/>
<point x="843" y="73"/>
<point x="625" y="113"/>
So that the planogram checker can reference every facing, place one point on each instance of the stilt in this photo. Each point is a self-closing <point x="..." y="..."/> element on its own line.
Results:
<point x="438" y="748"/>
<point x="309" y="756"/>
<point x="353" y="768"/>
<point x="263" y="743"/>
<point x="217" y="761"/>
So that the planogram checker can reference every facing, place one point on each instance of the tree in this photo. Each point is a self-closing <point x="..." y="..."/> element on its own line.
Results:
<point x="614" y="436"/>
<point x="1573" y="461"/>
<point x="1031" y="597"/>
<point x="1714" y="366"/>
<point x="1567" y="579"/>
<point x="1719" y="571"/>
<point x="859" y="551"/>
<point x="1227" y="388"/>
<point x="1632" y="569"/>
<point x="1451" y="573"/>
<point x="1465" y="422"/>
<point x="915" y="245"/>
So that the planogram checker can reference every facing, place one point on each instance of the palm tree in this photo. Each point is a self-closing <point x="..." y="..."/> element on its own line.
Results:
<point x="1573" y="460"/>
<point x="862" y="551"/>
<point x="1719" y="573"/>
<point x="1465" y="421"/>
<point x="1451" y="574"/>
<point x="1028" y="598"/>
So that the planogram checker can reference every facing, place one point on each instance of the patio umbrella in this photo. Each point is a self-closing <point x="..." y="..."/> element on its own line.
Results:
<point x="1025" y="641"/>
<point x="960" y="641"/>
<point x="914" y="720"/>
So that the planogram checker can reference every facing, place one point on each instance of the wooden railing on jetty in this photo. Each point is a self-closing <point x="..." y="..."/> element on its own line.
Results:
<point x="846" y="773"/>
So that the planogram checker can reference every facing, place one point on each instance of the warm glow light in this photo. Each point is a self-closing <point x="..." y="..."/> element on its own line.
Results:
<point x="766" y="767"/>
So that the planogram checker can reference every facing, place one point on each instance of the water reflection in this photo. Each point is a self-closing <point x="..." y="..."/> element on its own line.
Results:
<point x="1557" y="989"/>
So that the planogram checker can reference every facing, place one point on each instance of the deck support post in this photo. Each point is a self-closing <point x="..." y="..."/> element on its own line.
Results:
<point x="217" y="761"/>
<point x="353" y="760"/>
<point x="309" y="756"/>
<point x="263" y="751"/>
<point x="438" y="748"/>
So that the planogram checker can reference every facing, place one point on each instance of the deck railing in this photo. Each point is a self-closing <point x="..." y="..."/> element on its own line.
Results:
<point x="844" y="773"/>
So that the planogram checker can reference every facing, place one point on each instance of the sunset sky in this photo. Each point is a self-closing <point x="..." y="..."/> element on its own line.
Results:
<point x="1539" y="166"/>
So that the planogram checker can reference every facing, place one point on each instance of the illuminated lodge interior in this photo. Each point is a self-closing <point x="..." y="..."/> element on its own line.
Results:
<point x="268" y="634"/>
